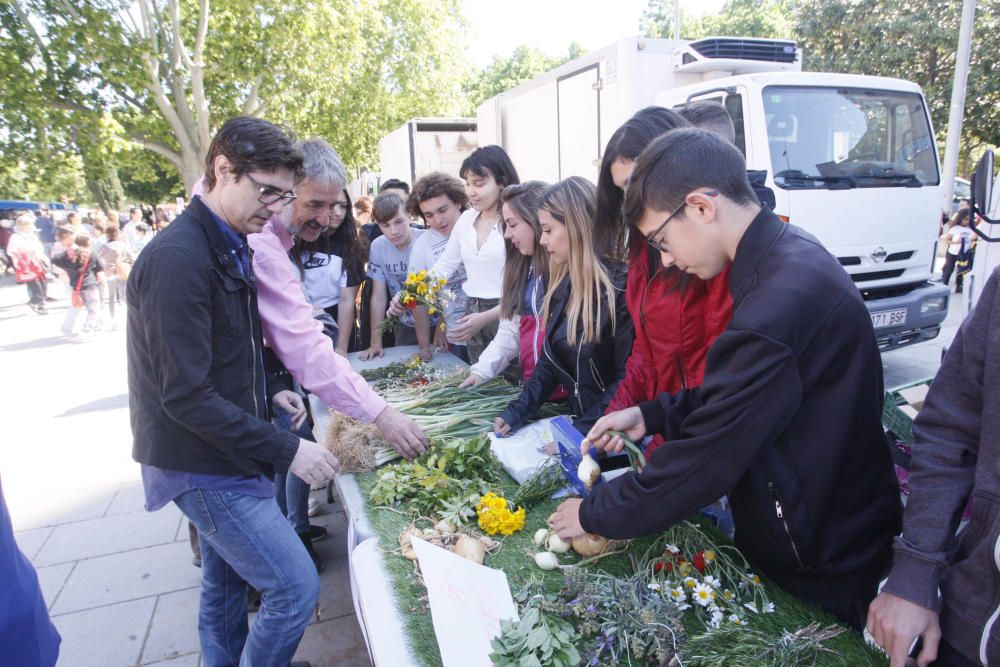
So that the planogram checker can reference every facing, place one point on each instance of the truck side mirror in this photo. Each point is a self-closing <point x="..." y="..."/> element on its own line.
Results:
<point x="982" y="193"/>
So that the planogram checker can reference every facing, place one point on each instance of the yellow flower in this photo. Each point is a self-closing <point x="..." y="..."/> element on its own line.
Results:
<point x="432" y="310"/>
<point x="421" y="289"/>
<point x="709" y="556"/>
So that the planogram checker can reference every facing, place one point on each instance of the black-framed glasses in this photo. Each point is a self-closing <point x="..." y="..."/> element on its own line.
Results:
<point x="651" y="239"/>
<point x="270" y="194"/>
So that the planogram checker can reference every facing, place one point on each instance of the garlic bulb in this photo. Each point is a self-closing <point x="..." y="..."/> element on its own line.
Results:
<point x="556" y="545"/>
<point x="588" y="471"/>
<point x="546" y="560"/>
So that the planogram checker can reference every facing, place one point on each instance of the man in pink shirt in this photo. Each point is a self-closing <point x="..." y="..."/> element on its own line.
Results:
<point x="287" y="318"/>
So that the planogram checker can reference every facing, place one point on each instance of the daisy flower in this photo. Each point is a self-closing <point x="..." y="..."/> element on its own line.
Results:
<point x="653" y="586"/>
<point x="702" y="594"/>
<point x="672" y="549"/>
<point x="716" y="619"/>
<point x="769" y="608"/>
<point x="712" y="581"/>
<point x="677" y="594"/>
<point x="751" y="606"/>
<point x="690" y="582"/>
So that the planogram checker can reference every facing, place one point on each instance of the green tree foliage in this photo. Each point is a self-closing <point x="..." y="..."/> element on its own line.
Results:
<point x="742" y="18"/>
<point x="502" y="74"/>
<point x="170" y="71"/>
<point x="914" y="41"/>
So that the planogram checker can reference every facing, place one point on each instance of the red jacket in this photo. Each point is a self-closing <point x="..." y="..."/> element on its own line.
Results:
<point x="673" y="331"/>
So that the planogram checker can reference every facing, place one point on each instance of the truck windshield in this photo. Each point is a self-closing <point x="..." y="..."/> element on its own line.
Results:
<point x="838" y="138"/>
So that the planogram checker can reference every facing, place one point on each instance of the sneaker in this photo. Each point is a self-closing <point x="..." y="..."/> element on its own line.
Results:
<point x="316" y="533"/>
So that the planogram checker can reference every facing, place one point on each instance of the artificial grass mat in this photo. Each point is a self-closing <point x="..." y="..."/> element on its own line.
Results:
<point x="515" y="558"/>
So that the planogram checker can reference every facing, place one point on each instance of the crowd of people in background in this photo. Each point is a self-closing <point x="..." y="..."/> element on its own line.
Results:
<point x="90" y="254"/>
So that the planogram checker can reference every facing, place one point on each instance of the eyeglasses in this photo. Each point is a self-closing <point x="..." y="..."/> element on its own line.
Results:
<point x="270" y="194"/>
<point x="651" y="239"/>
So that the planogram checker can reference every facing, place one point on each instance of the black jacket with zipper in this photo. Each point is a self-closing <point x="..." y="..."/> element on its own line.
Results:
<point x="590" y="372"/>
<point x="197" y="387"/>
<point x="787" y="422"/>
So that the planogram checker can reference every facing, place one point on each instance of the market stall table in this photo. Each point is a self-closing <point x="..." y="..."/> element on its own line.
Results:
<point x="371" y="587"/>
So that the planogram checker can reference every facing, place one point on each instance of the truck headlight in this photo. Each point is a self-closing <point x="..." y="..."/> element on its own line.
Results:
<point x="933" y="305"/>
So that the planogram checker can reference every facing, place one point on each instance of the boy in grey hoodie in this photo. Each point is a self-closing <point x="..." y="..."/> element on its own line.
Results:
<point x="945" y="587"/>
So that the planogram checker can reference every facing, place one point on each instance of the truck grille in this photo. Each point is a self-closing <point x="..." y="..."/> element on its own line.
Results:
<point x="894" y="257"/>
<point x="876" y="275"/>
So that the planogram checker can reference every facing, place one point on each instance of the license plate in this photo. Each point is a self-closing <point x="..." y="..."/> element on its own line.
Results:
<point x="889" y="318"/>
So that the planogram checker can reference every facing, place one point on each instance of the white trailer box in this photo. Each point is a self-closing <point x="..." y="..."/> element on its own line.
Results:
<point x="852" y="159"/>
<point x="423" y="145"/>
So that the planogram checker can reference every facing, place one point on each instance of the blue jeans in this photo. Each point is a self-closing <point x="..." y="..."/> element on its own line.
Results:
<point x="246" y="539"/>
<point x="291" y="492"/>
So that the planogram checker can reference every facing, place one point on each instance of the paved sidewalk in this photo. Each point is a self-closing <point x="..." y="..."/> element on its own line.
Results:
<point x="119" y="581"/>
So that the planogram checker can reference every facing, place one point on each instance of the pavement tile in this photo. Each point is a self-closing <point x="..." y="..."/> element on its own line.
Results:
<point x="334" y="545"/>
<point x="335" y="590"/>
<point x="105" y="637"/>
<point x="30" y="541"/>
<point x="128" y="576"/>
<point x="189" y="660"/>
<point x="174" y="629"/>
<point x="336" y="643"/>
<point x="113" y="534"/>
<point x="131" y="497"/>
<point x="51" y="580"/>
<point x="60" y="508"/>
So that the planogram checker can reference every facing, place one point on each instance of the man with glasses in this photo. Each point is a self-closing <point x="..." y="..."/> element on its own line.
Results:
<point x="200" y="407"/>
<point x="787" y="421"/>
<point x="296" y="343"/>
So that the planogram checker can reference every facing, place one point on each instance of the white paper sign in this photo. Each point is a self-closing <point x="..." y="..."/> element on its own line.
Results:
<point x="467" y="601"/>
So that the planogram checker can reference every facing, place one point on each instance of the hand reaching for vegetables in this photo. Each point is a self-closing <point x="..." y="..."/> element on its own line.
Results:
<point x="501" y="428"/>
<point x="371" y="353"/>
<point x="566" y="520"/>
<point x="472" y="381"/>
<point x="628" y="421"/>
<point x="402" y="433"/>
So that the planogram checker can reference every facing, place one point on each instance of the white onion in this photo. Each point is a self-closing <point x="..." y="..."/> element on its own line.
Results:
<point x="546" y="560"/>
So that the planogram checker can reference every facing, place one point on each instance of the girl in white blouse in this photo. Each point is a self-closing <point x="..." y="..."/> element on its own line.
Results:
<point x="477" y="243"/>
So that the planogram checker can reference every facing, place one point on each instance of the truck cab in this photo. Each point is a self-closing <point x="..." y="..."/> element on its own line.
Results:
<point x="852" y="160"/>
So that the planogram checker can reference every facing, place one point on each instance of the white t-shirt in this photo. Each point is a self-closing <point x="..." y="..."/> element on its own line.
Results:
<point x="426" y="251"/>
<point x="391" y="265"/>
<point x="483" y="266"/>
<point x="324" y="277"/>
<point x="956" y="235"/>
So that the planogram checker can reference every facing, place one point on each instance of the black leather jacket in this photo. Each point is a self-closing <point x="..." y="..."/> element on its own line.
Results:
<point x="196" y="377"/>
<point x="589" y="372"/>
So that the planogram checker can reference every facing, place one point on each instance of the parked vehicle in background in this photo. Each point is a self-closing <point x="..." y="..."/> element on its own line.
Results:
<point x="851" y="158"/>
<point x="423" y="145"/>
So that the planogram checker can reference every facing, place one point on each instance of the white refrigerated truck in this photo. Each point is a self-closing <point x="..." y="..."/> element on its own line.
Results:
<point x="850" y="158"/>
<point x="423" y="145"/>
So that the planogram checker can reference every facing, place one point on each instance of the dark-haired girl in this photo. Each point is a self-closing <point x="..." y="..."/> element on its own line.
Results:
<point x="477" y="242"/>
<point x="676" y="317"/>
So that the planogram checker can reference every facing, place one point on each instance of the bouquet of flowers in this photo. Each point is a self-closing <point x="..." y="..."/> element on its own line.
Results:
<point x="497" y="515"/>
<point x="420" y="289"/>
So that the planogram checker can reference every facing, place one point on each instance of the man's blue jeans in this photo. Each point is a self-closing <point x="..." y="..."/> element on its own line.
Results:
<point x="291" y="492"/>
<point x="246" y="539"/>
